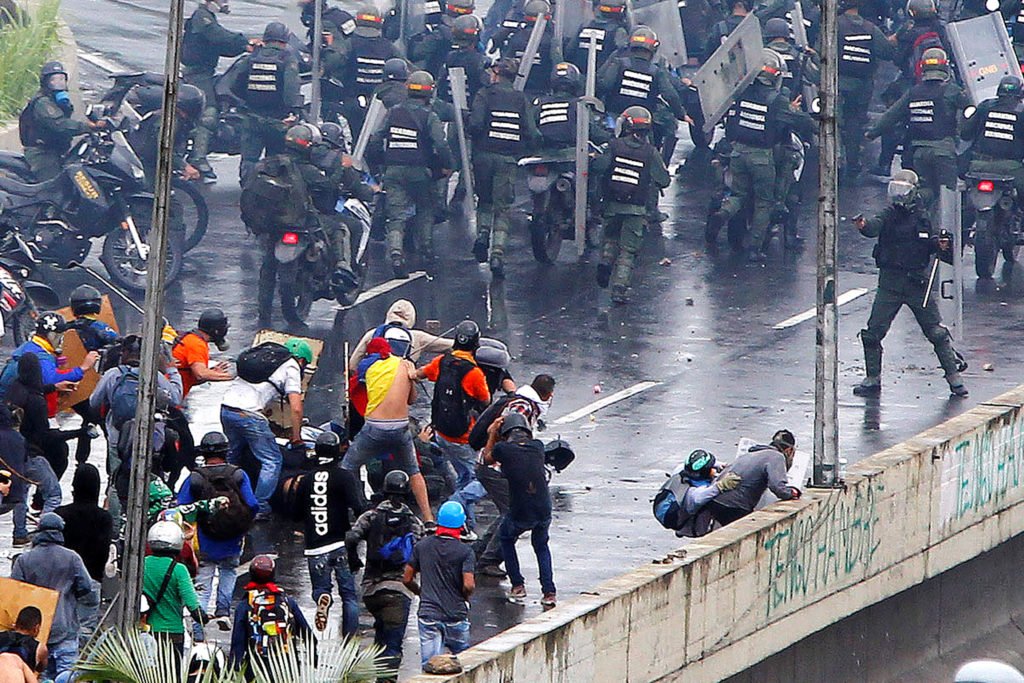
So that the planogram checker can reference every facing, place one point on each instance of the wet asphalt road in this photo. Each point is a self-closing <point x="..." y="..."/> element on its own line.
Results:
<point x="699" y="326"/>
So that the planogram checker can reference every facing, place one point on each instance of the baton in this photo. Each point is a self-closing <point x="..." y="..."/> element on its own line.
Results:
<point x="931" y="281"/>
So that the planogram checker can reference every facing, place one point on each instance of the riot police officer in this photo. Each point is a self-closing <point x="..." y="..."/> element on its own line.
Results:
<point x="394" y="90"/>
<point x="626" y="173"/>
<point x="931" y="110"/>
<point x="411" y="146"/>
<point x="924" y="30"/>
<point x="549" y="52"/>
<point x="906" y="245"/>
<point x="204" y="43"/>
<point x="145" y="138"/>
<point x="428" y="49"/>
<point x="996" y="132"/>
<point x="502" y="130"/>
<point x="354" y="69"/>
<point x="862" y="47"/>
<point x="465" y="54"/>
<point x="45" y="126"/>
<point x="267" y="81"/>
<point x="739" y="9"/>
<point x="336" y="23"/>
<point x="798" y="68"/>
<point x="634" y="78"/>
<point x="556" y="113"/>
<point x="610" y="32"/>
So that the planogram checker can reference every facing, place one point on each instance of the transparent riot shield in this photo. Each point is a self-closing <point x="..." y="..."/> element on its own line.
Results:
<point x="413" y="19"/>
<point x="950" y="278"/>
<point x="526" y="63"/>
<point x="583" y="150"/>
<point x="798" y="25"/>
<point x="371" y="124"/>
<point x="983" y="54"/>
<point x="460" y="101"/>
<point x="728" y="70"/>
<point x="661" y="16"/>
<point x="570" y="16"/>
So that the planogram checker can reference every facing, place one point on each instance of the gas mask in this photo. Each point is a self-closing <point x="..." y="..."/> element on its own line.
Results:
<point x="63" y="100"/>
<point x="222" y="344"/>
<point x="57" y="82"/>
<point x="902" y="188"/>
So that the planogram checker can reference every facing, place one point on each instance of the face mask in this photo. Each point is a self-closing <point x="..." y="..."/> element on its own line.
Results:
<point x="57" y="82"/>
<point x="63" y="100"/>
<point x="222" y="344"/>
<point x="901" y="192"/>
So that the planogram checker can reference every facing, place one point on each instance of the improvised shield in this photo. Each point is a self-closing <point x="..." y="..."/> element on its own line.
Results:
<point x="661" y="16"/>
<point x="583" y="150"/>
<point x="526" y="63"/>
<point x="732" y="67"/>
<point x="371" y="124"/>
<point x="457" y="78"/>
<point x="983" y="54"/>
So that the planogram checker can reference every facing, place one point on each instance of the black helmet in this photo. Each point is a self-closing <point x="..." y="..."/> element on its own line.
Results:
<point x="699" y="464"/>
<point x="506" y="67"/>
<point x="332" y="134"/>
<point x="369" y="22"/>
<point x="214" y="323"/>
<point x="467" y="336"/>
<point x="922" y="9"/>
<point x="611" y="8"/>
<point x="459" y="8"/>
<point x="420" y="84"/>
<point x="776" y="27"/>
<point x="131" y="350"/>
<point x="86" y="300"/>
<point x="566" y="78"/>
<point x="558" y="454"/>
<point x="784" y="438"/>
<point x="643" y="38"/>
<point x="327" y="448"/>
<point x="466" y="29"/>
<point x="1009" y="86"/>
<point x="213" y="444"/>
<point x="533" y="9"/>
<point x="261" y="569"/>
<point x="396" y="483"/>
<point x="515" y="421"/>
<point x="49" y="70"/>
<point x="636" y="119"/>
<point x="191" y="101"/>
<point x="396" y="69"/>
<point x="276" y="32"/>
<point x="51" y="323"/>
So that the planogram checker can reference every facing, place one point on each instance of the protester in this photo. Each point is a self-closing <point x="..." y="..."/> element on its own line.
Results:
<point x="22" y="639"/>
<point x="762" y="467"/>
<point x="402" y="314"/>
<point x="167" y="588"/>
<point x="25" y="470"/>
<point x="192" y="350"/>
<point x="14" y="670"/>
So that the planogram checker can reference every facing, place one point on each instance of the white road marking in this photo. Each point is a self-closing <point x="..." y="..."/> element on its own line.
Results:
<point x="101" y="62"/>
<point x="384" y="288"/>
<point x="844" y="298"/>
<point x="605" y="402"/>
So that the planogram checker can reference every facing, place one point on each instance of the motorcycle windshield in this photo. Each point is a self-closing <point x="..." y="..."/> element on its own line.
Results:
<point x="125" y="160"/>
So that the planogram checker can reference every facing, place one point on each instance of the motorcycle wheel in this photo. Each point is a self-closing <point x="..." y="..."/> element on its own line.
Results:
<point x="194" y="211"/>
<point x="545" y="237"/>
<point x="985" y="250"/>
<point x="121" y="259"/>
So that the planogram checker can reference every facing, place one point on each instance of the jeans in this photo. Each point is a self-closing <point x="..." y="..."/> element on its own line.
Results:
<point x="436" y="635"/>
<point x="89" y="615"/>
<point x="248" y="429"/>
<point x="468" y="496"/>
<point x="225" y="586"/>
<point x="62" y="657"/>
<point x="373" y="442"/>
<point x="496" y="485"/>
<point x="512" y="530"/>
<point x="320" y="569"/>
<point x="463" y="459"/>
<point x="38" y="470"/>
<point x="390" y="610"/>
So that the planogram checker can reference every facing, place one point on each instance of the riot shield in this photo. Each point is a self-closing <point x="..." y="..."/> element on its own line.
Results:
<point x="526" y="63"/>
<point x="371" y="124"/>
<point x="983" y="54"/>
<point x="583" y="149"/>
<point x="732" y="67"/>
<point x="413" y="19"/>
<point x="457" y="78"/>
<point x="798" y="26"/>
<point x="949" y="292"/>
<point x="570" y="17"/>
<point x="662" y="16"/>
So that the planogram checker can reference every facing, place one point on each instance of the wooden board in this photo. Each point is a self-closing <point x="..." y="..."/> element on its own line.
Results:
<point x="279" y="414"/>
<point x="14" y="595"/>
<point x="74" y="352"/>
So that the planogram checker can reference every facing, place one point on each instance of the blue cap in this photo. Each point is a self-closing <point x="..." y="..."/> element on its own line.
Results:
<point x="451" y="515"/>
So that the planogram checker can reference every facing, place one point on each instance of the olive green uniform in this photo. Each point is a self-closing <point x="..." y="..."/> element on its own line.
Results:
<point x="46" y="132"/>
<point x="862" y="46"/>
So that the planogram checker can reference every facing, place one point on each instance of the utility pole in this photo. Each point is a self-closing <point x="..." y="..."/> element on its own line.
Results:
<point x="826" y="361"/>
<point x="152" y="326"/>
<point x="318" y="38"/>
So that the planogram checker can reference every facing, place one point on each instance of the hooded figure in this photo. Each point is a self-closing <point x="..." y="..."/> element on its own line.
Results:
<point x="88" y="528"/>
<point x="402" y="313"/>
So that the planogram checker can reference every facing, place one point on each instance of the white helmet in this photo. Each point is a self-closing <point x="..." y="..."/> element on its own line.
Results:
<point x="164" y="536"/>
<point x="988" y="671"/>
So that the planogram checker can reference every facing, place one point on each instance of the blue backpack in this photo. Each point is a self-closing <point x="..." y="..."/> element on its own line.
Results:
<point x="124" y="398"/>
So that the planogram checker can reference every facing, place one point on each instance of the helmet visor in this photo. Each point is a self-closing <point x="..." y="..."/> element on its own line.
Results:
<point x="57" y="82"/>
<point x="900" y="190"/>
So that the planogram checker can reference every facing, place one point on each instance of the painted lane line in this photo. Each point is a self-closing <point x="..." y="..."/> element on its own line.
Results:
<point x="844" y="298"/>
<point x="605" y="402"/>
<point x="101" y="62"/>
<point x="385" y="287"/>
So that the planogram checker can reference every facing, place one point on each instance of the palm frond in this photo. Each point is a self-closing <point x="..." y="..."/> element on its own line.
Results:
<point x="324" y="662"/>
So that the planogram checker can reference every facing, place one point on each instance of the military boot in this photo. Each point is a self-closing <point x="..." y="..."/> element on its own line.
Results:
<point x="871" y="385"/>
<point x="956" y="385"/>
<point x="620" y="295"/>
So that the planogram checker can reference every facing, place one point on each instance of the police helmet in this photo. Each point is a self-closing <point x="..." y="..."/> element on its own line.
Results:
<point x="699" y="464"/>
<point x="566" y="78"/>
<point x="86" y="300"/>
<point x="988" y="671"/>
<point x="332" y="133"/>
<point x="771" y="69"/>
<point x="636" y="119"/>
<point x="467" y="336"/>
<point x="845" y="5"/>
<point x="506" y="67"/>
<point x="327" y="449"/>
<point x="903" y="187"/>
<point x="922" y="9"/>
<point x="458" y="8"/>
<point x="165" y="537"/>
<point x="643" y="38"/>
<point x="396" y="69"/>
<point x="934" y="65"/>
<point x="303" y="136"/>
<point x="775" y="28"/>
<point x="53" y="76"/>
<point x="369" y="22"/>
<point x="420" y="84"/>
<point x="276" y="32"/>
<point x="611" y="8"/>
<point x="396" y="483"/>
<point x="213" y="444"/>
<point x="191" y="101"/>
<point x="214" y="323"/>
<point x="515" y="421"/>
<point x="261" y="569"/>
<point x="1009" y="86"/>
<point x="533" y="9"/>
<point x="466" y="29"/>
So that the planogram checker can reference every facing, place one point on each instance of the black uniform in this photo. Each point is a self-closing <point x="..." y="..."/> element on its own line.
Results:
<point x="862" y="47"/>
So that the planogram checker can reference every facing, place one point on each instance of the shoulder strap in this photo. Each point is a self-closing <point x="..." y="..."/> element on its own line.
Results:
<point x="166" y="581"/>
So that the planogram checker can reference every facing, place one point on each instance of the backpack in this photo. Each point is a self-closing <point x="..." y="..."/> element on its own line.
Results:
<point x="275" y="197"/>
<point x="229" y="522"/>
<point x="270" y="620"/>
<point x="925" y="41"/>
<point x="8" y="375"/>
<point x="124" y="397"/>
<point x="256" y="364"/>
<point x="669" y="511"/>
<point x="449" y="409"/>
<point x="389" y="542"/>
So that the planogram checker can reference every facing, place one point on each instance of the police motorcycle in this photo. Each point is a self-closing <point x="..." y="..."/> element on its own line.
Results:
<point x="20" y="297"/>
<point x="997" y="222"/>
<point x="101" y="192"/>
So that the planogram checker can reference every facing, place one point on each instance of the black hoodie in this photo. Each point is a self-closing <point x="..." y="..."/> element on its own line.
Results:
<point x="88" y="528"/>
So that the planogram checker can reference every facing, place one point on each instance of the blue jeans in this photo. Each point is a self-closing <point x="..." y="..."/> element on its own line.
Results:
<point x="512" y="530"/>
<point x="38" y="470"/>
<point x="62" y="657"/>
<point x="373" y="441"/>
<point x="436" y="635"/>
<point x="89" y="615"/>
<point x="463" y="459"/>
<point x="320" y="569"/>
<point x="225" y="586"/>
<point x="248" y="429"/>
<point x="468" y="496"/>
<point x="390" y="610"/>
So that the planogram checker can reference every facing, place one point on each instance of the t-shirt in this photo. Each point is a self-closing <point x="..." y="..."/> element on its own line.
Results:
<point x="253" y="398"/>
<point x="190" y="349"/>
<point x="165" y="615"/>
<point x="325" y="496"/>
<point x="523" y="467"/>
<point x="441" y="562"/>
<point x="474" y="383"/>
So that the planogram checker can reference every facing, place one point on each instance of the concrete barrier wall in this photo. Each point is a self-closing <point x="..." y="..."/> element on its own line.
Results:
<point x="750" y="590"/>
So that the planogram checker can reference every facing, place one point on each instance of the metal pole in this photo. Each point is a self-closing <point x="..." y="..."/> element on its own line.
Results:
<point x="318" y="38"/>
<point x="826" y="362"/>
<point x="152" y="324"/>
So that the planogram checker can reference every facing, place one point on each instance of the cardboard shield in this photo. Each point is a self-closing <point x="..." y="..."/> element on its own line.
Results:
<point x="279" y="415"/>
<point x="662" y="16"/>
<point x="732" y="67"/>
<point x="983" y="54"/>
<point x="74" y="353"/>
<point x="15" y="595"/>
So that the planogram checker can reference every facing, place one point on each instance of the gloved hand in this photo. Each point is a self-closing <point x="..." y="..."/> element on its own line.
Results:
<point x="200" y="617"/>
<point x="728" y="481"/>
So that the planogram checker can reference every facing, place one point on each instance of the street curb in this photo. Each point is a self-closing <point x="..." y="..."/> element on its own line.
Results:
<point x="68" y="55"/>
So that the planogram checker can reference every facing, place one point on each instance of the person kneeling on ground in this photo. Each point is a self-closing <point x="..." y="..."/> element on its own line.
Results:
<point x="763" y="467"/>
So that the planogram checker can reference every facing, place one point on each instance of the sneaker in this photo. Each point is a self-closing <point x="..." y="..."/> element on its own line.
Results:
<point x="20" y="541"/>
<point x="491" y="570"/>
<point x="604" y="275"/>
<point x="323" y="608"/>
<point x="620" y="295"/>
<point x="469" y="536"/>
<point x="223" y="623"/>
<point x="956" y="385"/>
<point x="262" y="517"/>
<point x="548" y="601"/>
<point x="517" y="594"/>
<point x="870" y="386"/>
